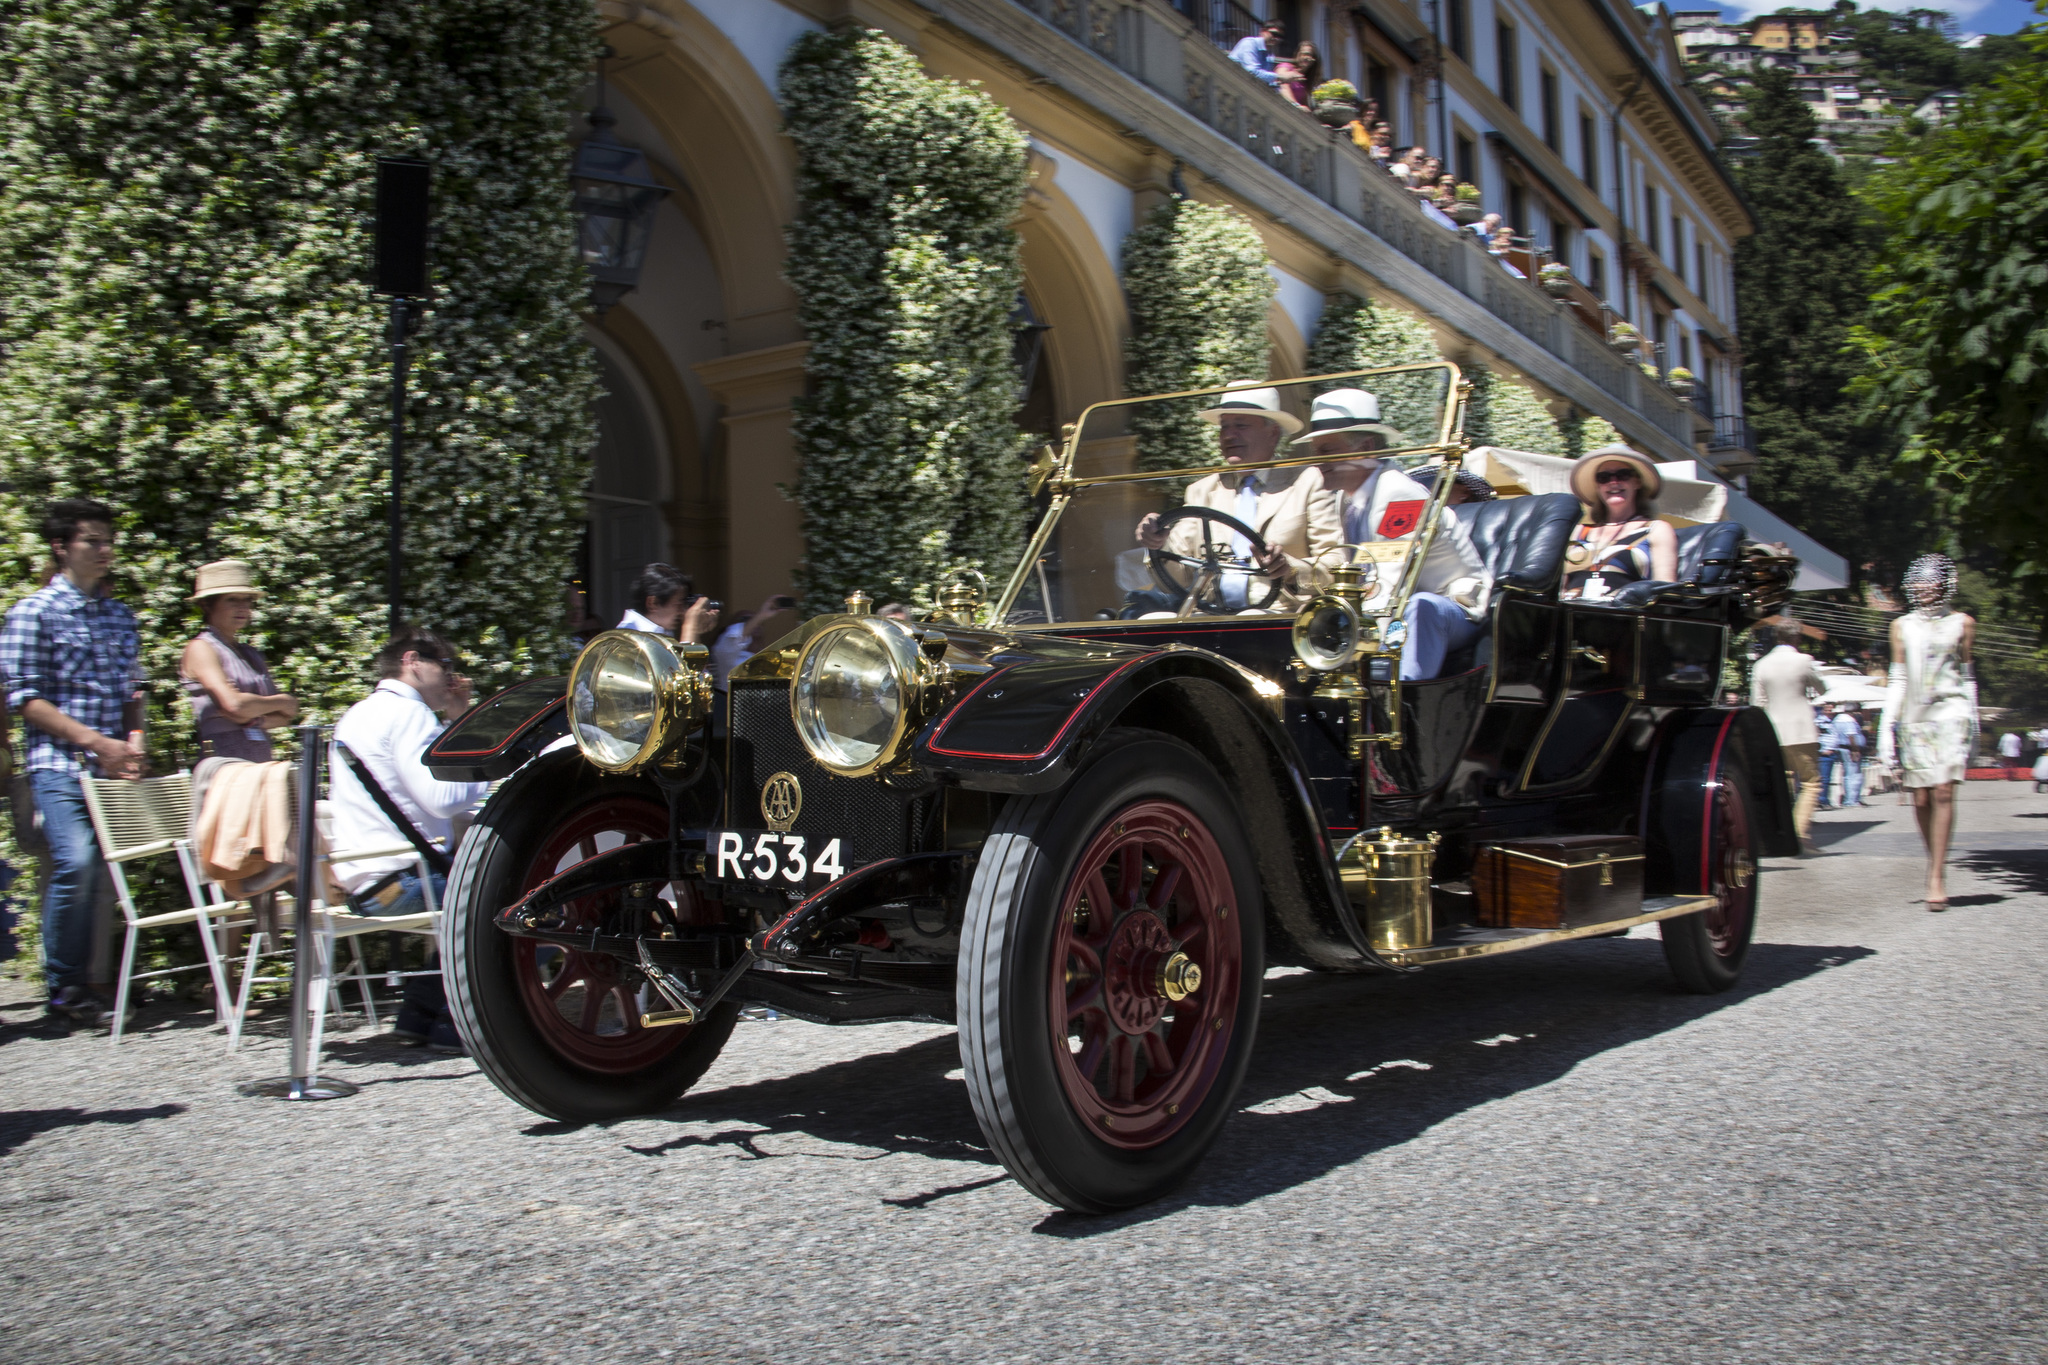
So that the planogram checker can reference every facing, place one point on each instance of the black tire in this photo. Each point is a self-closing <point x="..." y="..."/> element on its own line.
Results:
<point x="1705" y="951"/>
<point x="492" y="1011"/>
<point x="1026" y="1081"/>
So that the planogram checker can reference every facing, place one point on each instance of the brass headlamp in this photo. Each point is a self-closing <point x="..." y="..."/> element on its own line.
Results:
<point x="863" y="684"/>
<point x="1333" y="629"/>
<point x="634" y="696"/>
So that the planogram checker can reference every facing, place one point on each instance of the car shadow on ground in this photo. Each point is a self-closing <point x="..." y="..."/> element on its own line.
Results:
<point x="1344" y="1066"/>
<point x="1834" y="832"/>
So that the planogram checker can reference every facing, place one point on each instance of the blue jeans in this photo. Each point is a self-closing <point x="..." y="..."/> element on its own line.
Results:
<point x="1827" y="774"/>
<point x="71" y="898"/>
<point x="1852" y="779"/>
<point x="1437" y="626"/>
<point x="421" y="992"/>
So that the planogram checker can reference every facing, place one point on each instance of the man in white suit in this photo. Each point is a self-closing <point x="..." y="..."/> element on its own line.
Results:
<point x="1382" y="503"/>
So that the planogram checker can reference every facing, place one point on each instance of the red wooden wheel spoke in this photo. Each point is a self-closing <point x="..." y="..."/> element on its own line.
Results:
<point x="1134" y="1065"/>
<point x="571" y="1026"/>
<point x="1163" y="889"/>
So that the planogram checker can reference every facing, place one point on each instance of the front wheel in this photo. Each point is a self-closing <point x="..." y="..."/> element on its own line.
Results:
<point x="1110" y="970"/>
<point x="556" y="1028"/>
<point x="1705" y="950"/>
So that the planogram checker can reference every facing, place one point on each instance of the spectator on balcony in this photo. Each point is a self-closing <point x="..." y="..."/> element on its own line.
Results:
<point x="1381" y="148"/>
<point x="1307" y="62"/>
<point x="1402" y="166"/>
<point x="1485" y="228"/>
<point x="1292" y="85"/>
<point x="1260" y="53"/>
<point x="1503" y="242"/>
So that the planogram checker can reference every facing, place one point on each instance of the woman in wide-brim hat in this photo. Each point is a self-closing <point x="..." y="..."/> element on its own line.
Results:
<point x="235" y="703"/>
<point x="1620" y="541"/>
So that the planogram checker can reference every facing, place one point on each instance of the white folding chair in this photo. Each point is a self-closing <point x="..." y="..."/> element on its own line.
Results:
<point x="334" y="925"/>
<point x="146" y="819"/>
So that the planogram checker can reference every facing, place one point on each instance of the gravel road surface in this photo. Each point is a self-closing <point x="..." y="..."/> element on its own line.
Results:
<point x="1547" y="1158"/>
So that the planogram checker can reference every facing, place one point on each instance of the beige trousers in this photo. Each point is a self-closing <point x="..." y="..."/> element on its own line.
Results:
<point x="1802" y="763"/>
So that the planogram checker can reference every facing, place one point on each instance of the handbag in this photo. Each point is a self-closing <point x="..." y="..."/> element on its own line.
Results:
<point x="377" y="898"/>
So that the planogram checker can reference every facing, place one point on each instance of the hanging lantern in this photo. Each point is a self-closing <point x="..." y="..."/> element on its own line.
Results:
<point x="616" y="195"/>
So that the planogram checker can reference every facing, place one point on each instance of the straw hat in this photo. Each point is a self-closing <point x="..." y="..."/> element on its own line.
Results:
<point x="1588" y="491"/>
<point x="1264" y="402"/>
<point x="1347" y="410"/>
<point x="222" y="578"/>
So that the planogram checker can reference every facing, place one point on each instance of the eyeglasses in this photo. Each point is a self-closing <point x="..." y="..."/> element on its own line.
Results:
<point x="1614" y="475"/>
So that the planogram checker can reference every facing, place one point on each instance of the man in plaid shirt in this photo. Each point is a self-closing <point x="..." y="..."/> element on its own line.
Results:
<point x="69" y="657"/>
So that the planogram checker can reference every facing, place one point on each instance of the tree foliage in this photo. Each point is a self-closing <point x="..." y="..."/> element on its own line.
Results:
<point x="1800" y="289"/>
<point x="1956" y="333"/>
<point x="906" y="264"/>
<point x="185" y="194"/>
<point x="1356" y="334"/>
<point x="1196" y="279"/>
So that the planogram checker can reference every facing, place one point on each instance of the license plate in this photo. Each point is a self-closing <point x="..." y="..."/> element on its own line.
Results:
<point x="764" y="858"/>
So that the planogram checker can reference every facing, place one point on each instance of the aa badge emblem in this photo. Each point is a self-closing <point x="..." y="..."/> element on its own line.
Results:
<point x="782" y="799"/>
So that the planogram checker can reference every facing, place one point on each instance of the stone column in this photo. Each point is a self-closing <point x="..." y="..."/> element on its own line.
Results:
<point x="764" y="541"/>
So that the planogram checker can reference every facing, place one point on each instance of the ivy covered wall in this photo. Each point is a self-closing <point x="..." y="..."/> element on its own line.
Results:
<point x="1196" y="279"/>
<point x="1355" y="334"/>
<point x="1505" y="412"/>
<point x="185" y="330"/>
<point x="907" y="266"/>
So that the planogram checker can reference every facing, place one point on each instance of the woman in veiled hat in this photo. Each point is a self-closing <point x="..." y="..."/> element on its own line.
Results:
<point x="1620" y="541"/>
<point x="234" y="700"/>
<point x="1929" y="726"/>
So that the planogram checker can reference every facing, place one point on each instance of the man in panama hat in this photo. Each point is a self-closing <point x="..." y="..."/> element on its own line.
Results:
<point x="1383" y="503"/>
<point x="1288" y="508"/>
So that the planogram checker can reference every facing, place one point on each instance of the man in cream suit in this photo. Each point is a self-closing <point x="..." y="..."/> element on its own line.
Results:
<point x="1289" y="508"/>
<point x="1382" y="503"/>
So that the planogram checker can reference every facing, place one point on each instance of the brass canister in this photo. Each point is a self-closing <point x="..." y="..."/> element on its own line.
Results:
<point x="1387" y="877"/>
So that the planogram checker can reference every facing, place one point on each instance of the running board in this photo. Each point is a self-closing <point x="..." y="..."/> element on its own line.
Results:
<point x="1515" y="940"/>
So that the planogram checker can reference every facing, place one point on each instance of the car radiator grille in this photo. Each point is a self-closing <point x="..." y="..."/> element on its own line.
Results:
<point x="872" y="820"/>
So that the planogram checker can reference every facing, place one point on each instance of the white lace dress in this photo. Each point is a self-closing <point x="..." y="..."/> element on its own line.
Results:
<point x="1933" y="701"/>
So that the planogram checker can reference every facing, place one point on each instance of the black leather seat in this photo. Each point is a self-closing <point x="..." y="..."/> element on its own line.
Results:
<point x="1522" y="540"/>
<point x="1706" y="559"/>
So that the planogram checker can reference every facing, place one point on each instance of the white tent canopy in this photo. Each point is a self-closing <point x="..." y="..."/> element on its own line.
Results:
<point x="1686" y="497"/>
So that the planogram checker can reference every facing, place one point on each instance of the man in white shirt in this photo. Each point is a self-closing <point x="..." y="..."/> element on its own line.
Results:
<point x="665" y="603"/>
<point x="1382" y="503"/>
<point x="1849" y="746"/>
<point x="1784" y="685"/>
<point x="387" y="732"/>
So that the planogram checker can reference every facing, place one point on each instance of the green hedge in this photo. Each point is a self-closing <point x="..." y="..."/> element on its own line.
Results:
<point x="1196" y="280"/>
<point x="185" y="198"/>
<point x="1354" y="334"/>
<point x="907" y="267"/>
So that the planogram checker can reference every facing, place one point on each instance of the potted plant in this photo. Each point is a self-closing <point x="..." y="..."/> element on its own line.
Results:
<point x="1682" y="381"/>
<point x="1335" y="103"/>
<point x="1624" y="337"/>
<point x="1467" y="208"/>
<point x="1556" y="279"/>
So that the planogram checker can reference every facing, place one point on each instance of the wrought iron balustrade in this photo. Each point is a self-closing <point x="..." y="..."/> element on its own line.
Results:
<point x="1180" y="50"/>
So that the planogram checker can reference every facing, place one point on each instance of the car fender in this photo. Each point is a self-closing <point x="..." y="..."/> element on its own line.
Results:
<point x="1026" y="726"/>
<point x="1693" y="752"/>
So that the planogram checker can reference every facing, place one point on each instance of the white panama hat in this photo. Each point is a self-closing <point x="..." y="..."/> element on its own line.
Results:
<point x="1263" y="402"/>
<point x="1347" y="410"/>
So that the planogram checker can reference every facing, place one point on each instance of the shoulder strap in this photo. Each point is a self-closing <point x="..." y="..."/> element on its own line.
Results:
<point x="436" y="859"/>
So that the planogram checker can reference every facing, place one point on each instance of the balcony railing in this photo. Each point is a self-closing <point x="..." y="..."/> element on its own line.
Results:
<point x="1179" y="49"/>
<point x="1731" y="432"/>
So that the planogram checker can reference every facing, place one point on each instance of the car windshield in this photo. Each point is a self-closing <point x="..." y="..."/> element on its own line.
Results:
<point x="1235" y="501"/>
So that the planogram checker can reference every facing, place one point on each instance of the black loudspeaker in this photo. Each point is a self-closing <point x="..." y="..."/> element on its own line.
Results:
<point x="402" y="215"/>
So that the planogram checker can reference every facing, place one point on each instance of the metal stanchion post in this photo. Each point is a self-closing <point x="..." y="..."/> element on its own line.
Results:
<point x="303" y="1083"/>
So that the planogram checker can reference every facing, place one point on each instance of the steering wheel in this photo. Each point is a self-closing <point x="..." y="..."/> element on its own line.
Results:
<point x="1218" y="556"/>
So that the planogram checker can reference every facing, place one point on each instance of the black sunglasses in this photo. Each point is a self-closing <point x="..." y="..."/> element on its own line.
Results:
<point x="1614" y="475"/>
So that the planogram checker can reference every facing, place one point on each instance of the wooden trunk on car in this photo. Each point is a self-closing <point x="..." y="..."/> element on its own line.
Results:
<point x="1560" y="883"/>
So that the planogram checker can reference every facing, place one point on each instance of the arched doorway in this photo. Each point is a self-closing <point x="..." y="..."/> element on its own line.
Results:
<point x="628" y="484"/>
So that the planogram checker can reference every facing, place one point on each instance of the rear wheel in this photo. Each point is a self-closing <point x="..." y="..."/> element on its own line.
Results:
<point x="556" y="1028"/>
<point x="1109" y="980"/>
<point x="1705" y="951"/>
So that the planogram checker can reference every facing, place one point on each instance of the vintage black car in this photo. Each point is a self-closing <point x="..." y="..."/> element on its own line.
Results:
<point x="1080" y="822"/>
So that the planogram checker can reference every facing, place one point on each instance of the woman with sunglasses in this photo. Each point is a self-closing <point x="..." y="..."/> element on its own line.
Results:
<point x="1620" y="541"/>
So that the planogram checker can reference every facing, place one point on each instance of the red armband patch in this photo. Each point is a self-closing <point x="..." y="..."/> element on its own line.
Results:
<point x="1399" y="519"/>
